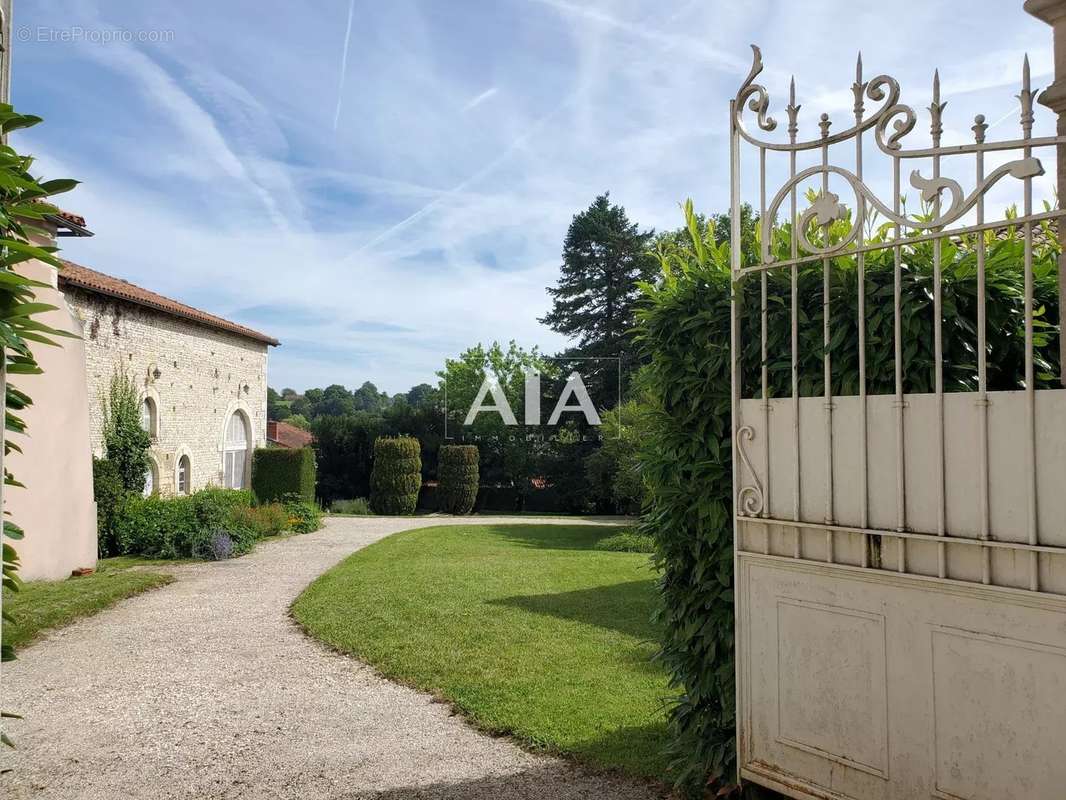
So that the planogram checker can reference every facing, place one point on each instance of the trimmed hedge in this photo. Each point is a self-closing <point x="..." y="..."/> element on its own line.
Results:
<point x="397" y="475"/>
<point x="427" y="496"/>
<point x="498" y="498"/>
<point x="457" y="474"/>
<point x="278" y="473"/>
<point x="108" y="492"/>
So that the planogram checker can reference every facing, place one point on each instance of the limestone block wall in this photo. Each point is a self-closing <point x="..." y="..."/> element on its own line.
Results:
<point x="197" y="376"/>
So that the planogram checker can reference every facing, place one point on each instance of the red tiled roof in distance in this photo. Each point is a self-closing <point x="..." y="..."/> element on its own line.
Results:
<point x="90" y="280"/>
<point x="285" y="435"/>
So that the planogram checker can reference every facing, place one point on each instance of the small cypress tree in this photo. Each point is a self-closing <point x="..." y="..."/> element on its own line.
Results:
<point x="457" y="471"/>
<point x="397" y="475"/>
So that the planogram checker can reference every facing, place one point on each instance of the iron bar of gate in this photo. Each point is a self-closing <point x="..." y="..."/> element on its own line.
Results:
<point x="1026" y="99"/>
<point x="860" y="266"/>
<point x="827" y="360"/>
<point x="936" y="128"/>
<point x="979" y="128"/>
<point x="897" y="347"/>
<point x="734" y="352"/>
<point x="793" y="129"/>
<point x="968" y="541"/>
<point x="764" y="314"/>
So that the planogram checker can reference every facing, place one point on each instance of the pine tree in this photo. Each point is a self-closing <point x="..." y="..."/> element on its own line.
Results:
<point x="604" y="256"/>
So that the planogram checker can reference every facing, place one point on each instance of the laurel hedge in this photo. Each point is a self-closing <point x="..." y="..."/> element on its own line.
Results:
<point x="685" y="457"/>
<point x="280" y="473"/>
<point x="396" y="476"/>
<point x="457" y="474"/>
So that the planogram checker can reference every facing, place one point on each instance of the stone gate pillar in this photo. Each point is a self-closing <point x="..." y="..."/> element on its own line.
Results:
<point x="1053" y="12"/>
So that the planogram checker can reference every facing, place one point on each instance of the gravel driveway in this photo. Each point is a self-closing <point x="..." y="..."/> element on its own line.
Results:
<point x="207" y="689"/>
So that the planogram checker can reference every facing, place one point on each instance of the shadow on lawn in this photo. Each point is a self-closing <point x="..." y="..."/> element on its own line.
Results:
<point x="556" y="537"/>
<point x="623" y="607"/>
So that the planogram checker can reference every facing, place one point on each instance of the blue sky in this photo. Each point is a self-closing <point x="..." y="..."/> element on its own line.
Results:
<point x="381" y="206"/>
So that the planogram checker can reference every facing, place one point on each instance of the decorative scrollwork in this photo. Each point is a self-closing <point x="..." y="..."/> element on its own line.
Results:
<point x="891" y="121"/>
<point x="750" y="500"/>
<point x="827" y="207"/>
<point x="903" y="126"/>
<point x="755" y="94"/>
<point x="754" y="97"/>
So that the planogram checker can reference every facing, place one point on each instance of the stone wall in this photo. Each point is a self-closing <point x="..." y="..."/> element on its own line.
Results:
<point x="204" y="376"/>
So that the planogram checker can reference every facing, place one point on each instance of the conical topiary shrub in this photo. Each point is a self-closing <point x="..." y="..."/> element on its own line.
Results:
<point x="457" y="474"/>
<point x="397" y="475"/>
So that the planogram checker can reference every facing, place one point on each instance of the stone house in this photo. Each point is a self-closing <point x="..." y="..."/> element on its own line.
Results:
<point x="203" y="379"/>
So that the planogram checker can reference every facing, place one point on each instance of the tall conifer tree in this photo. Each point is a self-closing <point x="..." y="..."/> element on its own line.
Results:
<point x="604" y="256"/>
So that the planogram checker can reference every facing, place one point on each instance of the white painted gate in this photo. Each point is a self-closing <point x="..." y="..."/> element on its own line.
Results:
<point x="900" y="557"/>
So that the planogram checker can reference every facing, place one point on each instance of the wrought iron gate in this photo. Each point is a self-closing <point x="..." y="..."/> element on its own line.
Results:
<point x="900" y="555"/>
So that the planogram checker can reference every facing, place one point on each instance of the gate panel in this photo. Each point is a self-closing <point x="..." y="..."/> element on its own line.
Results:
<point x="900" y="557"/>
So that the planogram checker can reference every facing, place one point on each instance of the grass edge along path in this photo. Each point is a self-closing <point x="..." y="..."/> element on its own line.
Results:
<point x="42" y="606"/>
<point x="528" y="630"/>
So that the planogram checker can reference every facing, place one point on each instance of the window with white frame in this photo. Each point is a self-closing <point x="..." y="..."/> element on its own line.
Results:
<point x="235" y="454"/>
<point x="184" y="474"/>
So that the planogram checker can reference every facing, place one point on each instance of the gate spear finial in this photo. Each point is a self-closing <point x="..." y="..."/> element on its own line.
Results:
<point x="1026" y="97"/>
<point x="858" y="88"/>
<point x="792" y="110"/>
<point x="936" y="109"/>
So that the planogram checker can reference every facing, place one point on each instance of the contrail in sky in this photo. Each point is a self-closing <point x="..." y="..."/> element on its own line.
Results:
<point x="344" y="64"/>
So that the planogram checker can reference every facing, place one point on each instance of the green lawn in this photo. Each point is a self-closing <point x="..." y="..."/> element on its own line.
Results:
<point x="41" y="605"/>
<point x="528" y="629"/>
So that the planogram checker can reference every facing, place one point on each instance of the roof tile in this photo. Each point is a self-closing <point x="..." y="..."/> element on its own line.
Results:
<point x="90" y="280"/>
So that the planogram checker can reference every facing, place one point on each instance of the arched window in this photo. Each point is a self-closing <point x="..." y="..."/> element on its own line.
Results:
<point x="184" y="475"/>
<point x="149" y="417"/>
<point x="151" y="479"/>
<point x="235" y="455"/>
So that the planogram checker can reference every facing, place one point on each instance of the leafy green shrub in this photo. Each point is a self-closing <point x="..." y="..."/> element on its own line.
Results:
<point x="304" y="517"/>
<point x="358" y="506"/>
<point x="156" y="527"/>
<point x="266" y="520"/>
<point x="125" y="441"/>
<point x="179" y="527"/>
<point x="628" y="541"/>
<point x="686" y="454"/>
<point x="397" y="475"/>
<point x="108" y="492"/>
<point x="457" y="471"/>
<point x="279" y="471"/>
<point x="213" y="505"/>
